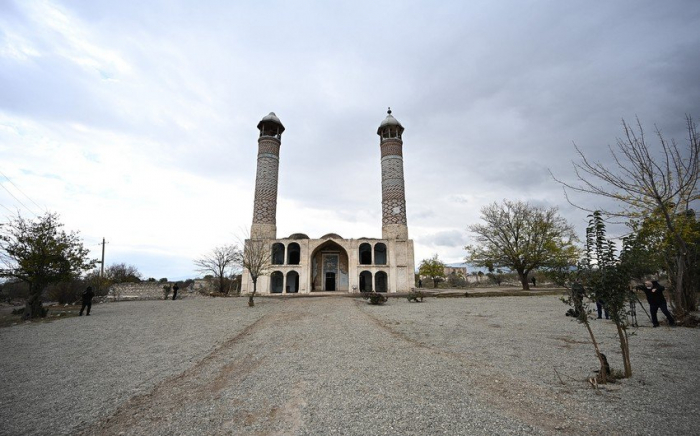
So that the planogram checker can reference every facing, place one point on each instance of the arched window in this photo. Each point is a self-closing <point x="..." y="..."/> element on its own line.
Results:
<point x="276" y="282"/>
<point x="365" y="281"/>
<point x="277" y="254"/>
<point x="379" y="254"/>
<point x="381" y="281"/>
<point x="365" y="254"/>
<point x="292" y="282"/>
<point x="293" y="254"/>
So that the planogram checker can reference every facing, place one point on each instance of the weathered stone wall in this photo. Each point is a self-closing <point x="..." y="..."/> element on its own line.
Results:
<point x="150" y="291"/>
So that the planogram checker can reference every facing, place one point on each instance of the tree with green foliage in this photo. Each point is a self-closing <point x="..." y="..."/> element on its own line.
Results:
<point x="521" y="237"/>
<point x="645" y="180"/>
<point x="39" y="253"/>
<point x="433" y="269"/>
<point x="644" y="248"/>
<point x="649" y="249"/>
<point x="601" y="275"/>
<point x="607" y="279"/>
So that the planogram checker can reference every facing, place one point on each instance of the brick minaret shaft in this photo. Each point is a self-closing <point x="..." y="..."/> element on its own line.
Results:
<point x="394" y="224"/>
<point x="265" y="204"/>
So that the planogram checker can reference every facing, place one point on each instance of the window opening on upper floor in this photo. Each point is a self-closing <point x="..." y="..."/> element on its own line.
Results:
<point x="380" y="254"/>
<point x="277" y="253"/>
<point x="365" y="254"/>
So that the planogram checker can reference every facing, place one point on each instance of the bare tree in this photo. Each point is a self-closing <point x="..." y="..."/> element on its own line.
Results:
<point x="122" y="273"/>
<point x="647" y="180"/>
<point x="257" y="259"/>
<point x="220" y="262"/>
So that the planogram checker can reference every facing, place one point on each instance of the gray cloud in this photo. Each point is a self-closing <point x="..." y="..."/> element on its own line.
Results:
<point x="447" y="238"/>
<point x="492" y="95"/>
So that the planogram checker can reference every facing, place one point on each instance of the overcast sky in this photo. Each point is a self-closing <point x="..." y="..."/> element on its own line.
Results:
<point x="136" y="121"/>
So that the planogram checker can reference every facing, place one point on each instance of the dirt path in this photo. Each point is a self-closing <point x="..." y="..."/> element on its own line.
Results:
<point x="331" y="367"/>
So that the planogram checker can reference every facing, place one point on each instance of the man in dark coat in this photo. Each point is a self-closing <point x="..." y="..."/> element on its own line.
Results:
<point x="175" y="288"/>
<point x="655" y="297"/>
<point x="87" y="301"/>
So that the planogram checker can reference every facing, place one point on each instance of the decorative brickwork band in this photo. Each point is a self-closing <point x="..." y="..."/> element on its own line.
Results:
<point x="268" y="145"/>
<point x="392" y="148"/>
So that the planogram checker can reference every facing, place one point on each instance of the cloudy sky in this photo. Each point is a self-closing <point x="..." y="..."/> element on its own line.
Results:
<point x="136" y="121"/>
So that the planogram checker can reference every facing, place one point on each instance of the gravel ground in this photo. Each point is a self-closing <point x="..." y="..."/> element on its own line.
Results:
<point x="500" y="365"/>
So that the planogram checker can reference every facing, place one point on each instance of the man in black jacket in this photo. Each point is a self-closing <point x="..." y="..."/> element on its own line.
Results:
<point x="655" y="297"/>
<point x="87" y="300"/>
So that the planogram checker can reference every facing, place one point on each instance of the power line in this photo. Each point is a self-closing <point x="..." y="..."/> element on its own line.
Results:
<point x="18" y="200"/>
<point x="7" y="209"/>
<point x="22" y="192"/>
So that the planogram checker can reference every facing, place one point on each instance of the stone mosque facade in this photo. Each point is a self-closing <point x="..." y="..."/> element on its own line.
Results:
<point x="331" y="263"/>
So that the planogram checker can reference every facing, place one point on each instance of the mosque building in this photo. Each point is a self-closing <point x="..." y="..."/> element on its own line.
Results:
<point x="331" y="263"/>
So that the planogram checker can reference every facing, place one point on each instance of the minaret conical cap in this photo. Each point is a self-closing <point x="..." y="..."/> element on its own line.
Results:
<point x="271" y="118"/>
<point x="389" y="121"/>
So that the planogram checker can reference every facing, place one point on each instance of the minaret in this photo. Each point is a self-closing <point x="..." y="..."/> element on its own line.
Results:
<point x="265" y="205"/>
<point x="393" y="192"/>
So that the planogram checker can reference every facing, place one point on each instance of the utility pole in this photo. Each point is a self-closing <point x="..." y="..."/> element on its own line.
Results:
<point x="102" y="264"/>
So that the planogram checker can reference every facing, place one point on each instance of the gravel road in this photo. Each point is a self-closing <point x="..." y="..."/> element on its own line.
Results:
<point x="477" y="366"/>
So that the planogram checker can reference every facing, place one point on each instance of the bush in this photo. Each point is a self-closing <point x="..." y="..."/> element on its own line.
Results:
<point x="15" y="290"/>
<point x="374" y="298"/>
<point x="416" y="296"/>
<point x="457" y="281"/>
<point x="66" y="292"/>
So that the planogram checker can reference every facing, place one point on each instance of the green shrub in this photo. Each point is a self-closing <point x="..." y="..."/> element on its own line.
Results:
<point x="415" y="296"/>
<point x="374" y="298"/>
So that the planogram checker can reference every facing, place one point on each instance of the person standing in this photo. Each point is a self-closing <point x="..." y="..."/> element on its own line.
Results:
<point x="175" y="288"/>
<point x="655" y="297"/>
<point x="600" y="305"/>
<point x="87" y="301"/>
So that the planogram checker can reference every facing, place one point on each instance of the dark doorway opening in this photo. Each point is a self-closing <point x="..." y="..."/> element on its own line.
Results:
<point x="365" y="281"/>
<point x="330" y="281"/>
<point x="276" y="282"/>
<point x="292" y="282"/>
<point x="381" y="281"/>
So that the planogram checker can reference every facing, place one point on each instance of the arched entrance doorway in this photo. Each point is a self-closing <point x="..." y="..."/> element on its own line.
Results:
<point x="292" y="282"/>
<point x="365" y="281"/>
<point x="276" y="282"/>
<point x="329" y="268"/>
<point x="381" y="281"/>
